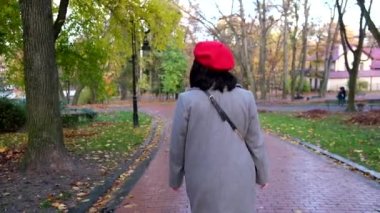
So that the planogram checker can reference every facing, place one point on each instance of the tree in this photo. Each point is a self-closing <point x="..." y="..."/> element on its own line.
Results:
<point x="45" y="150"/>
<point x="174" y="65"/>
<point x="305" y="33"/>
<point x="371" y="25"/>
<point x="238" y="38"/>
<point x="160" y="18"/>
<point x="293" y="41"/>
<point x="265" y="25"/>
<point x="332" y="34"/>
<point x="349" y="49"/>
<point x="286" y="5"/>
<point x="83" y="49"/>
<point x="246" y="61"/>
<point x="11" y="42"/>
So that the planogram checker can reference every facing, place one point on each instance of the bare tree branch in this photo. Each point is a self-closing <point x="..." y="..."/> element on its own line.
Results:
<point x="371" y="25"/>
<point x="343" y="34"/>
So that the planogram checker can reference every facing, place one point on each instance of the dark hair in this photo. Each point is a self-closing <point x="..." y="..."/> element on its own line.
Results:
<point x="205" y="79"/>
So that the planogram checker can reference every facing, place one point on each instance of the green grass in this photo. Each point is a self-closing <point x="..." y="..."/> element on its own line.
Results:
<point x="111" y="132"/>
<point x="360" y="144"/>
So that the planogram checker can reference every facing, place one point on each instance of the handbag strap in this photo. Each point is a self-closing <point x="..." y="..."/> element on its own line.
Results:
<point x="223" y="114"/>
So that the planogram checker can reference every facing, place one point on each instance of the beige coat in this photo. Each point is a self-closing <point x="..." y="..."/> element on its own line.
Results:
<point x="219" y="170"/>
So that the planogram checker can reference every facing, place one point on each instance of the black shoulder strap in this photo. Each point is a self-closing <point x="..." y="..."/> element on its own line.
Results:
<point x="222" y="114"/>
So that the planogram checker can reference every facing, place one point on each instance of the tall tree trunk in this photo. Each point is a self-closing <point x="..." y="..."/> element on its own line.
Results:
<point x="263" y="47"/>
<point x="293" y="80"/>
<point x="330" y="45"/>
<point x="317" y="59"/>
<point x="61" y="92"/>
<point x="46" y="151"/>
<point x="305" y="32"/>
<point x="285" y="48"/>
<point x="246" y="58"/>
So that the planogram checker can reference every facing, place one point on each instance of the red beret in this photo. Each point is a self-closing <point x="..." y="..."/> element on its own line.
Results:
<point x="214" y="55"/>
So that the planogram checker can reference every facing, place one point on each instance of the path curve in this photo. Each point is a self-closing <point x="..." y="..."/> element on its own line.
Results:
<point x="300" y="181"/>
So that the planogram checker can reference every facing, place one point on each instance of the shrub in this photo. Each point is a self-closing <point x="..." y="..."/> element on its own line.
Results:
<point x="361" y="86"/>
<point x="85" y="96"/>
<point x="12" y="116"/>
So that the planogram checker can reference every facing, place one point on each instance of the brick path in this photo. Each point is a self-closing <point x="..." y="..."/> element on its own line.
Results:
<point x="301" y="181"/>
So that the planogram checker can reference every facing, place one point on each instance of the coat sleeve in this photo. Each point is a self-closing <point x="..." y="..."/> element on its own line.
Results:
<point x="256" y="145"/>
<point x="177" y="144"/>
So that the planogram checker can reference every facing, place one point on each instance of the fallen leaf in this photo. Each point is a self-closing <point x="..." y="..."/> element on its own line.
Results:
<point x="81" y="194"/>
<point x="3" y="149"/>
<point x="129" y="205"/>
<point x="93" y="210"/>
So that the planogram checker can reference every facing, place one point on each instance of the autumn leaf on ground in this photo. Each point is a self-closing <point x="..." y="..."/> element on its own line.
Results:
<point x="3" y="149"/>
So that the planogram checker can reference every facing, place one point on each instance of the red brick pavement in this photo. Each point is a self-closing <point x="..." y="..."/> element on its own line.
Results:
<point x="301" y="181"/>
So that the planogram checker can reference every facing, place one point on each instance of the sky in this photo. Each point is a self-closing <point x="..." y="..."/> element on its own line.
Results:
<point x="320" y="11"/>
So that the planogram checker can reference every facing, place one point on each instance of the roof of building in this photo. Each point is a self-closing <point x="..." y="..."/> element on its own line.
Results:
<point x="361" y="74"/>
<point x="373" y="52"/>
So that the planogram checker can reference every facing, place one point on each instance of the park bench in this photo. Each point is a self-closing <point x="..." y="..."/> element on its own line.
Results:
<point x="75" y="114"/>
<point x="360" y="104"/>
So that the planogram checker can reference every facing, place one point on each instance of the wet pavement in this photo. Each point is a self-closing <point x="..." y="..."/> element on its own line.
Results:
<point x="300" y="181"/>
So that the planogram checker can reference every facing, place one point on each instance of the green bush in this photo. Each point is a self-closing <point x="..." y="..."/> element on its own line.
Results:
<point x="12" y="116"/>
<point x="362" y="86"/>
<point x="306" y="85"/>
<point x="85" y="96"/>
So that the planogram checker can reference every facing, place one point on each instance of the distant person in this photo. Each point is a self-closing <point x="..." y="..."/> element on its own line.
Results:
<point x="341" y="96"/>
<point x="221" y="166"/>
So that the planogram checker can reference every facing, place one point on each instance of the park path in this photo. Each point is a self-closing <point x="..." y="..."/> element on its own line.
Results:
<point x="300" y="181"/>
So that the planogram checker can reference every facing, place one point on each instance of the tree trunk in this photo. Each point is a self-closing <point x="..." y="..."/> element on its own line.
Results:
<point x="328" y="60"/>
<point x="61" y="93"/>
<point x="46" y="151"/>
<point x="293" y="80"/>
<point x="305" y="33"/>
<point x="77" y="94"/>
<point x="246" y="59"/>
<point x="285" y="47"/>
<point x="263" y="48"/>
<point x="352" y="89"/>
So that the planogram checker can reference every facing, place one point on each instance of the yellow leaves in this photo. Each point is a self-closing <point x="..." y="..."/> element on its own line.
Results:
<point x="3" y="149"/>
<point x="129" y="205"/>
<point x="59" y="206"/>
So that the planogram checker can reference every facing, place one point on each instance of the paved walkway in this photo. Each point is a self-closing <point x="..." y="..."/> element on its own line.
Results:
<point x="301" y="181"/>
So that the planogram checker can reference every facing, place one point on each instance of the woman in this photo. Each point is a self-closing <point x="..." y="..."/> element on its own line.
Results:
<point x="220" y="171"/>
<point x="341" y="96"/>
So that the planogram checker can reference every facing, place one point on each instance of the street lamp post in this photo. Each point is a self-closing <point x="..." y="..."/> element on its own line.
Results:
<point x="145" y="47"/>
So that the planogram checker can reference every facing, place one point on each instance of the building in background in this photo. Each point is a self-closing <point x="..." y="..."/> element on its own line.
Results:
<point x="369" y="69"/>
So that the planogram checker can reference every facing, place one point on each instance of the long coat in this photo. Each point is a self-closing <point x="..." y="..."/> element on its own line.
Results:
<point x="219" y="170"/>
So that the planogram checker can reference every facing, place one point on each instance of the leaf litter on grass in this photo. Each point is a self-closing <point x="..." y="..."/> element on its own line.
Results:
<point x="45" y="191"/>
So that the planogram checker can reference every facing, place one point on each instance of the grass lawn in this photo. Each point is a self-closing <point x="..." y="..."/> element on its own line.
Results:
<point x="358" y="143"/>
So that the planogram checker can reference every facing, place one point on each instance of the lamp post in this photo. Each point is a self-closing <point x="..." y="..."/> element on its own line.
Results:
<point x="145" y="47"/>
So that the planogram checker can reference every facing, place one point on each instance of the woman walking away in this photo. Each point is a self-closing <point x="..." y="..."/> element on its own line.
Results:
<point x="216" y="142"/>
